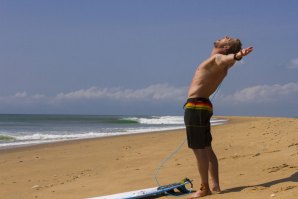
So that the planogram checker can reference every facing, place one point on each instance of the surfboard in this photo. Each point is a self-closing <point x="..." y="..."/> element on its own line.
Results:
<point x="170" y="189"/>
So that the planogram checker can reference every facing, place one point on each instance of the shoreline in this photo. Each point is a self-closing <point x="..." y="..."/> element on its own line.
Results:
<point x="257" y="158"/>
<point x="79" y="140"/>
<point x="218" y="121"/>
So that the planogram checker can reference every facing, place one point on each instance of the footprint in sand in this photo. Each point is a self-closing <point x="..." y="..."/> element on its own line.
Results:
<point x="286" y="188"/>
<point x="277" y="168"/>
<point x="254" y="188"/>
<point x="126" y="147"/>
<point x="294" y="144"/>
<point x="255" y="155"/>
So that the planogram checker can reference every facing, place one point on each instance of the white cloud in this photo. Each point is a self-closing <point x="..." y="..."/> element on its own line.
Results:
<point x="293" y="64"/>
<point x="21" y="94"/>
<point x="38" y="96"/>
<point x="153" y="92"/>
<point x="23" y="98"/>
<point x="264" y="93"/>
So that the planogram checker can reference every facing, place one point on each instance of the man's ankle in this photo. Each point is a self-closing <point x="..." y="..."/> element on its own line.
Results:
<point x="205" y="187"/>
<point x="215" y="187"/>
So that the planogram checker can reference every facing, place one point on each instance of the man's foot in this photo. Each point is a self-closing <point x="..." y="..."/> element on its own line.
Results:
<point x="204" y="191"/>
<point x="215" y="189"/>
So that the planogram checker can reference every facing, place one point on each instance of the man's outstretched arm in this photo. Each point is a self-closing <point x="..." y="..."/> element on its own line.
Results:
<point x="231" y="58"/>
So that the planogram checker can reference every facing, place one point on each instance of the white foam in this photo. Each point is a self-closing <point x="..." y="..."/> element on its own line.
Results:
<point x="218" y="121"/>
<point x="159" y="120"/>
<point x="177" y="122"/>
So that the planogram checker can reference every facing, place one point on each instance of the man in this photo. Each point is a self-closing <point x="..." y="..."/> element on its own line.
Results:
<point x="198" y="108"/>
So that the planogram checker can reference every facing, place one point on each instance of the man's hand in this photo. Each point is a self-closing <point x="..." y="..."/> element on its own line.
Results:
<point x="244" y="52"/>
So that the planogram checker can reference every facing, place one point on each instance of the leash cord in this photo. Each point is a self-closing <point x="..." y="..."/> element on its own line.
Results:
<point x="176" y="150"/>
<point x="165" y="160"/>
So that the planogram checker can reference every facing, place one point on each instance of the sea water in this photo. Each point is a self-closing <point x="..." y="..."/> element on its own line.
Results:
<point x="20" y="130"/>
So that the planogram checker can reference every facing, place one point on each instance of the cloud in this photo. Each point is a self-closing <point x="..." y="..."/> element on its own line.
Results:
<point x="21" y="94"/>
<point x="157" y="92"/>
<point x="23" y="98"/>
<point x="293" y="64"/>
<point x="264" y="93"/>
<point x="154" y="92"/>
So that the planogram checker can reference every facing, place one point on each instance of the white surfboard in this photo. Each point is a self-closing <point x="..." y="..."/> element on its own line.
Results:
<point x="151" y="192"/>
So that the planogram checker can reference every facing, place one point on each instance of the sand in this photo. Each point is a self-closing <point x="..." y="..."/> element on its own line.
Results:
<point x="258" y="158"/>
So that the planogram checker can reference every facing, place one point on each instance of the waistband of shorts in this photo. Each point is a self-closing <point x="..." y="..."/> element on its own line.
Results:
<point x="198" y="103"/>
<point x="198" y="99"/>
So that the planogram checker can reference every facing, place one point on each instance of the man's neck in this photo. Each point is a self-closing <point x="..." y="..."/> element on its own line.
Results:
<point x="217" y="51"/>
<point x="213" y="52"/>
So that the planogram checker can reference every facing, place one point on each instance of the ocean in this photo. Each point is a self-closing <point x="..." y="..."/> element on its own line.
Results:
<point x="20" y="130"/>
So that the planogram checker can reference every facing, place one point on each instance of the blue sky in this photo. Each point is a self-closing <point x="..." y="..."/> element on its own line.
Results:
<point x="138" y="57"/>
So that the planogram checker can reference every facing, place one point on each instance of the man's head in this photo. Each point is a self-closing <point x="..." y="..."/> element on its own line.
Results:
<point x="228" y="45"/>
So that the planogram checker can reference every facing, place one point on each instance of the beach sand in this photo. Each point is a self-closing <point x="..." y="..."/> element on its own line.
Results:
<point x="258" y="158"/>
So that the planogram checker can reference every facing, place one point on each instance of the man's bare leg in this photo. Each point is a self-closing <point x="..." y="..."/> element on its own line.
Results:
<point x="203" y="167"/>
<point x="213" y="169"/>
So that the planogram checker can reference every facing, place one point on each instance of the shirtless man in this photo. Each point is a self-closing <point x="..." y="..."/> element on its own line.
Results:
<point x="198" y="108"/>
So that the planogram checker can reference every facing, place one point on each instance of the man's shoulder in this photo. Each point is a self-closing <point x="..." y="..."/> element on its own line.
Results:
<point x="210" y="60"/>
<point x="224" y="60"/>
<point x="215" y="57"/>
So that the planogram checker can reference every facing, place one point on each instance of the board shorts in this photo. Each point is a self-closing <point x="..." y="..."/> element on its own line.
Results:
<point x="197" y="115"/>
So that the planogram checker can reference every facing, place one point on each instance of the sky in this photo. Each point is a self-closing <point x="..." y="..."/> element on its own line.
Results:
<point x="137" y="57"/>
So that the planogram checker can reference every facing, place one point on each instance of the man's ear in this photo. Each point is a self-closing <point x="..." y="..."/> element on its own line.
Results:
<point x="225" y="49"/>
